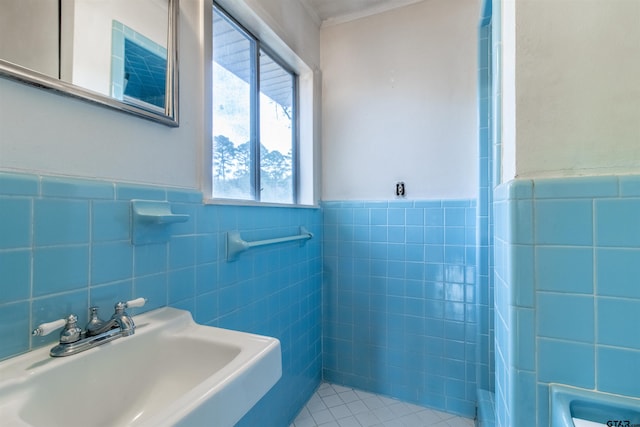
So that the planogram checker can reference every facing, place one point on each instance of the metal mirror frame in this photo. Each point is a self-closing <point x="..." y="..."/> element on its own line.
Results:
<point x="170" y="116"/>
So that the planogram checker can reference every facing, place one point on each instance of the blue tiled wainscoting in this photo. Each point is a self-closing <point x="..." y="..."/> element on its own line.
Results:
<point x="399" y="300"/>
<point x="567" y="301"/>
<point x="65" y="244"/>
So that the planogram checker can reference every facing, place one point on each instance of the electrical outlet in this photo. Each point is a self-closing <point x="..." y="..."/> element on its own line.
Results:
<point x="400" y="191"/>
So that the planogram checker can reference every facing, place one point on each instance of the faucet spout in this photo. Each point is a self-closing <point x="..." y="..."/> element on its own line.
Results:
<point x="97" y="326"/>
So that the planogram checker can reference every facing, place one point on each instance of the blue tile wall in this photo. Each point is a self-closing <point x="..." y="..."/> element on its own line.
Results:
<point x="65" y="245"/>
<point x="485" y="217"/>
<point x="400" y="300"/>
<point x="581" y="319"/>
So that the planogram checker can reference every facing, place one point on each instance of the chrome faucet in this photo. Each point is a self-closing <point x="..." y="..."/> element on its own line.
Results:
<point x="74" y="340"/>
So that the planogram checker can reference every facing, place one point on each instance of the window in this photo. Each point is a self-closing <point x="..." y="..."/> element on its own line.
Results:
<point x="254" y="118"/>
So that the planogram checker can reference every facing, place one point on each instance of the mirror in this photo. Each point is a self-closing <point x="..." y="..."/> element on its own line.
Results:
<point x="121" y="54"/>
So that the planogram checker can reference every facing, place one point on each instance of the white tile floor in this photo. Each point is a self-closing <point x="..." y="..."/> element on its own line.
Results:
<point x="337" y="406"/>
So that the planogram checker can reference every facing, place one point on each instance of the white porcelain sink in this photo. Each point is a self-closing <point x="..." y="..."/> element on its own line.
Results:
<point x="171" y="372"/>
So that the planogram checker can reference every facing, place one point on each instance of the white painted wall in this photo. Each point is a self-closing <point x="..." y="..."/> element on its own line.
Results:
<point x="577" y="87"/>
<point x="47" y="133"/>
<point x="400" y="103"/>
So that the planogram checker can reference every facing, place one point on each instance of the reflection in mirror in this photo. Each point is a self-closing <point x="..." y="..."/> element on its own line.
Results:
<point x="119" y="53"/>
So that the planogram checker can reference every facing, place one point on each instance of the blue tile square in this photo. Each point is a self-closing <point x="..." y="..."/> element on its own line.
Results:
<point x="456" y="203"/>
<point x="61" y="222"/>
<point x="415" y="252"/>
<point x="395" y="269"/>
<point x="111" y="262"/>
<point x="396" y="216"/>
<point x="150" y="259"/>
<point x="454" y="254"/>
<point x="434" y="235"/>
<point x="18" y="184"/>
<point x="206" y="308"/>
<point x="206" y="219"/>
<point x="396" y="252"/>
<point x="107" y="296"/>
<point x="206" y="278"/>
<point x="454" y="273"/>
<point x="521" y="221"/>
<point x="181" y="285"/>
<point x="614" y="368"/>
<point x="76" y="188"/>
<point x="502" y="221"/>
<point x="543" y="404"/>
<point x="414" y="270"/>
<point x="470" y="237"/>
<point x="378" y="216"/>
<point x="206" y="248"/>
<point x="454" y="217"/>
<point x="525" y="388"/>
<point x="59" y="269"/>
<point x="378" y="233"/>
<point x="566" y="362"/>
<point x="154" y="288"/>
<point x="182" y="252"/>
<point x="427" y="204"/>
<point x="415" y="216"/>
<point x="414" y="234"/>
<point x="525" y="337"/>
<point x="142" y="192"/>
<point x="564" y="222"/>
<point x="564" y="269"/>
<point x="184" y="196"/>
<point x="454" y="236"/>
<point x="522" y="274"/>
<point x="15" y="223"/>
<point x="454" y="292"/>
<point x="396" y="234"/>
<point x="454" y="388"/>
<point x="617" y="272"/>
<point x="629" y="185"/>
<point x="360" y="233"/>
<point x="361" y="216"/>
<point x="454" y="311"/>
<point x="345" y="215"/>
<point x="15" y="276"/>
<point x="434" y="272"/>
<point x="581" y="187"/>
<point x="617" y="322"/>
<point x="14" y="329"/>
<point x="110" y="220"/>
<point x="434" y="217"/>
<point x="617" y="222"/>
<point x="566" y="316"/>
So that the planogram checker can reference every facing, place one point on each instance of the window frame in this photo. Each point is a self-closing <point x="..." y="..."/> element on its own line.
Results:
<point x="258" y="46"/>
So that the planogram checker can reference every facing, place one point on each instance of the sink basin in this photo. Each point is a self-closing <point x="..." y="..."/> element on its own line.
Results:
<point x="171" y="372"/>
<point x="576" y="407"/>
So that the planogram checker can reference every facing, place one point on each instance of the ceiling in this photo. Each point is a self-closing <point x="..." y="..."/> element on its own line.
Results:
<point x="331" y="12"/>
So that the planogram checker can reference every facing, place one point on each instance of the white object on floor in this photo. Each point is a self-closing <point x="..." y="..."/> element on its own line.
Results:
<point x="336" y="406"/>
<point x="579" y="422"/>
